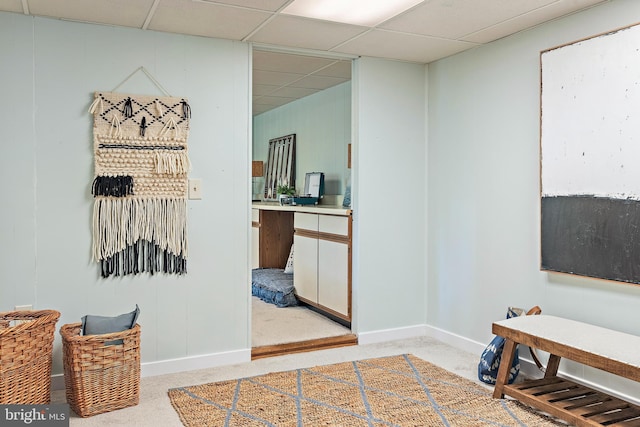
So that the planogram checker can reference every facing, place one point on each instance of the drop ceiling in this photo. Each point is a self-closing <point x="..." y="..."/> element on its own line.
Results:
<point x="431" y="30"/>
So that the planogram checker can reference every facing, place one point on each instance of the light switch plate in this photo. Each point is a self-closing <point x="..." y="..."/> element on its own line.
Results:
<point x="195" y="189"/>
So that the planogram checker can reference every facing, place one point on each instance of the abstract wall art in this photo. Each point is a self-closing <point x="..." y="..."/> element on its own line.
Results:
<point x="140" y="187"/>
<point x="590" y="157"/>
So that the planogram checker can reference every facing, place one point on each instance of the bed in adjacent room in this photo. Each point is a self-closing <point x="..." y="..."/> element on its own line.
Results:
<point x="274" y="286"/>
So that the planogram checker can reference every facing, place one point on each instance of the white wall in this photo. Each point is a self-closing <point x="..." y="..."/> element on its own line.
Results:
<point x="322" y="124"/>
<point x="481" y="179"/>
<point x="389" y="196"/>
<point x="48" y="73"/>
<point x="484" y="200"/>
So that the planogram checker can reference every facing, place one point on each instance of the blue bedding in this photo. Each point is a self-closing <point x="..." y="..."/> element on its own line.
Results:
<point x="274" y="286"/>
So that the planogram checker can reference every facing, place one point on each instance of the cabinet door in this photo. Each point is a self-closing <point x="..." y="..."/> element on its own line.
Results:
<point x="255" y="238"/>
<point x="333" y="276"/>
<point x="305" y="267"/>
<point x="255" y="247"/>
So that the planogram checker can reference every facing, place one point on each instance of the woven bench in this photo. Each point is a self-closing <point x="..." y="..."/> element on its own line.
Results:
<point x="598" y="347"/>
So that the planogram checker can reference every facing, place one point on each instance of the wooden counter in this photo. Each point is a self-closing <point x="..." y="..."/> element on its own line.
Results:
<point x="318" y="209"/>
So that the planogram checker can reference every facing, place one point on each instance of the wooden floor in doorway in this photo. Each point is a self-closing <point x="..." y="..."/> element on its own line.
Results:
<point x="303" y="346"/>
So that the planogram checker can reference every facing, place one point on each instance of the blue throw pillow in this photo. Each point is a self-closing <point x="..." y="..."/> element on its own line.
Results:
<point x="98" y="325"/>
<point x="346" y="202"/>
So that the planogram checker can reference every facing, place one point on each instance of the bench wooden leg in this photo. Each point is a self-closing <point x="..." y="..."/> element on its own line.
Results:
<point x="552" y="366"/>
<point x="508" y="354"/>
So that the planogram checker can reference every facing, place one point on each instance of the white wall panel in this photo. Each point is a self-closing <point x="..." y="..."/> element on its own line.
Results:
<point x="17" y="168"/>
<point x="389" y="195"/>
<point x="49" y="72"/>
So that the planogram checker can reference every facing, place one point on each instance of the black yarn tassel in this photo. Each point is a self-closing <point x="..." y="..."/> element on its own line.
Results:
<point x="140" y="257"/>
<point x="143" y="126"/>
<point x="127" y="110"/>
<point x="114" y="186"/>
<point x="186" y="110"/>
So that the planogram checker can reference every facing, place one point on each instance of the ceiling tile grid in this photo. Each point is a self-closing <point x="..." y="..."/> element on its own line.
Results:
<point x="427" y="31"/>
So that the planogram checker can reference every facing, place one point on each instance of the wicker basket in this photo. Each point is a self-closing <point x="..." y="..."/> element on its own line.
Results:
<point x="26" y="355"/>
<point x="100" y="375"/>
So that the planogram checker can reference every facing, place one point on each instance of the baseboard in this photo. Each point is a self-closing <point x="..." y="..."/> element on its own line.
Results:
<point x="172" y="366"/>
<point x="193" y="363"/>
<point x="415" y="331"/>
<point x="455" y="340"/>
<point x="391" y="334"/>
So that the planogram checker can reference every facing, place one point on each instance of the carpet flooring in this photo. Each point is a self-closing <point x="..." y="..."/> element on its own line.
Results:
<point x="271" y="325"/>
<point x="399" y="390"/>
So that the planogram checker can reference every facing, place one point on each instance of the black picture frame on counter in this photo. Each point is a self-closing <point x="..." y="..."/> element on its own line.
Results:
<point x="281" y="165"/>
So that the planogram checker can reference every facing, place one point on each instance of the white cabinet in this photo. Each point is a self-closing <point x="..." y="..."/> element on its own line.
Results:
<point x="322" y="262"/>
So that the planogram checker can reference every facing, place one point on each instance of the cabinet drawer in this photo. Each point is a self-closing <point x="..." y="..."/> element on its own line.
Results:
<point x="305" y="221"/>
<point x="333" y="224"/>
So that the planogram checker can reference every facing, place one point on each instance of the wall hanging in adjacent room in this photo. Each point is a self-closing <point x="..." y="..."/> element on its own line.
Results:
<point x="140" y="185"/>
<point x="281" y="165"/>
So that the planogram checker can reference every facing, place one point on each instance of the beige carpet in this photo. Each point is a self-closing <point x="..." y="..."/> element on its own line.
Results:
<point x="388" y="391"/>
<point x="271" y="325"/>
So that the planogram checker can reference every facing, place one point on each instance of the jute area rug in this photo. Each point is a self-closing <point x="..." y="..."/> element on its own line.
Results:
<point x="389" y="391"/>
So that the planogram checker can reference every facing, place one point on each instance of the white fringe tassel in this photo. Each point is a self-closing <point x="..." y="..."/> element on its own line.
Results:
<point x="170" y="124"/>
<point x="172" y="163"/>
<point x="115" y="129"/>
<point x="121" y="222"/>
<point x="97" y="103"/>
<point x="159" y="108"/>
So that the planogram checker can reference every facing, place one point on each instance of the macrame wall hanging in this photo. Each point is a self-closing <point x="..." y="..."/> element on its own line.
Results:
<point x="140" y="187"/>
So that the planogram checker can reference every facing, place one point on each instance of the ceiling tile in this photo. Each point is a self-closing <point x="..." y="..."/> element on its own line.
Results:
<point x="275" y="78"/>
<point x="268" y="5"/>
<point x="206" y="19"/>
<point x="263" y="89"/>
<point x="403" y="47"/>
<point x="305" y="33"/>
<point x="125" y="13"/>
<point x="453" y="19"/>
<point x="274" y="101"/>
<point x="294" y="92"/>
<point x="318" y="82"/>
<point x="340" y="69"/>
<point x="274" y="61"/>
<point x="11" y="6"/>
<point x="528" y="20"/>
<point x="259" y="109"/>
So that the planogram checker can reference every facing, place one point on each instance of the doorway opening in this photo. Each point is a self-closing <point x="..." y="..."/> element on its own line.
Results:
<point x="310" y="96"/>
